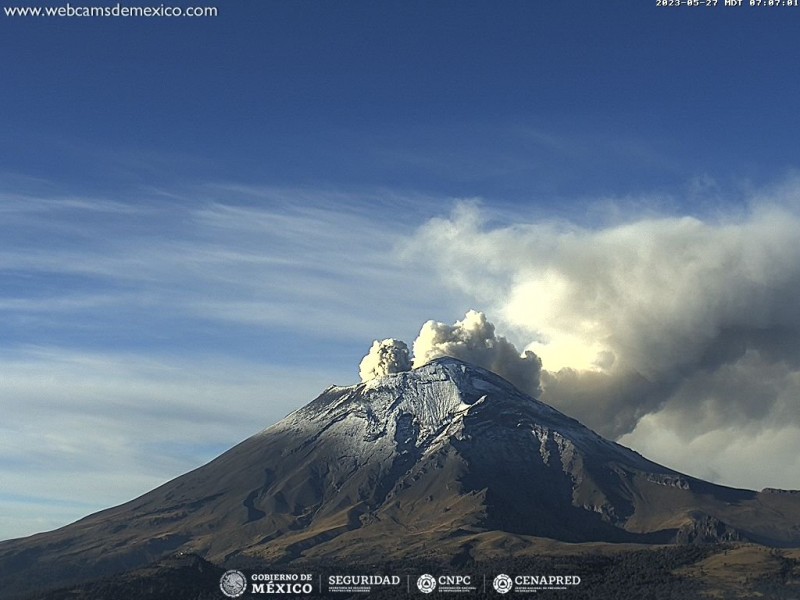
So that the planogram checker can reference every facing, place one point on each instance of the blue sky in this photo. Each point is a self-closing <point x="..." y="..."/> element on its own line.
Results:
<point x="204" y="222"/>
<point x="544" y="98"/>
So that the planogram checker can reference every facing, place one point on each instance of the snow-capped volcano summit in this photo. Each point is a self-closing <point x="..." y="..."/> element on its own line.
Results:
<point x="435" y="399"/>
<point x="408" y="464"/>
<point x="446" y="401"/>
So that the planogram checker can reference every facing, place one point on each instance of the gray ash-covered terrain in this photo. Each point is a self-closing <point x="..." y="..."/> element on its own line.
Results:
<point x="448" y="460"/>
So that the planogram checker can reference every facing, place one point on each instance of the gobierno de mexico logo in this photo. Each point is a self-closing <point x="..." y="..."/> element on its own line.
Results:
<point x="233" y="583"/>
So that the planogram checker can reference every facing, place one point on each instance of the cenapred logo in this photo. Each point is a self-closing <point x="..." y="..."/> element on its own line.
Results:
<point x="426" y="583"/>
<point x="502" y="584"/>
<point x="233" y="583"/>
<point x="533" y="584"/>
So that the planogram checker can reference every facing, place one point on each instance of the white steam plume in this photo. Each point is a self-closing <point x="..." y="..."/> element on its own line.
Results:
<point x="474" y="340"/>
<point x="384" y="358"/>
<point x="626" y="317"/>
<point x="677" y="325"/>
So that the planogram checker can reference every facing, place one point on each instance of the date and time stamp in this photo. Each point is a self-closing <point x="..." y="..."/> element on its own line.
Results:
<point x="729" y="3"/>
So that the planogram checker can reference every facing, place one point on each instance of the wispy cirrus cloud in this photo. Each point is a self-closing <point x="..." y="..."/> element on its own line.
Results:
<point x="143" y="336"/>
<point x="84" y="431"/>
<point x="220" y="255"/>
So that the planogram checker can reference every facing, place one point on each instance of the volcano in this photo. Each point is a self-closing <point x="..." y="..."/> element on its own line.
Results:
<point x="433" y="461"/>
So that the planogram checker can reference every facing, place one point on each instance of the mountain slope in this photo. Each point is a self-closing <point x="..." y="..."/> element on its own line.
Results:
<point x="402" y="466"/>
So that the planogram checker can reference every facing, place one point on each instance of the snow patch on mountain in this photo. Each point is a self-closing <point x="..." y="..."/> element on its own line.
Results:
<point x="436" y="401"/>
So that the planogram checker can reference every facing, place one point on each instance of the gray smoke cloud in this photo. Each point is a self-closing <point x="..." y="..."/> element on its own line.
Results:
<point x="384" y="358"/>
<point x="657" y="328"/>
<point x="474" y="340"/>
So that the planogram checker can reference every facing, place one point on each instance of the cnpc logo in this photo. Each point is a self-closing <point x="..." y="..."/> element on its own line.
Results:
<point x="427" y="583"/>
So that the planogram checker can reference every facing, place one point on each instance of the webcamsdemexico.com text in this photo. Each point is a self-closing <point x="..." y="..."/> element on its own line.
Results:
<point x="116" y="10"/>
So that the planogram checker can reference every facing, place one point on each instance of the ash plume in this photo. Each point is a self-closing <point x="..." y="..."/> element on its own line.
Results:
<point x="384" y="358"/>
<point x="473" y="340"/>
<point x="652" y="329"/>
